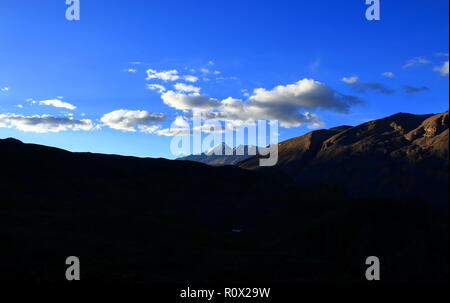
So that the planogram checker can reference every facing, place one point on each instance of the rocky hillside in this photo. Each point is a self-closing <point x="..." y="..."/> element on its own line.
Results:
<point x="398" y="156"/>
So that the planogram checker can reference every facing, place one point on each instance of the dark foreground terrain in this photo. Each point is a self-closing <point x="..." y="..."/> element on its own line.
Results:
<point x="159" y="221"/>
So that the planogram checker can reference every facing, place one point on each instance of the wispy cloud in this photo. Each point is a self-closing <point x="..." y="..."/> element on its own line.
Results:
<point x="156" y="87"/>
<point x="388" y="74"/>
<point x="44" y="123"/>
<point x="364" y="87"/>
<point x="416" y="61"/>
<point x="4" y="89"/>
<point x="414" y="90"/>
<point x="350" y="80"/>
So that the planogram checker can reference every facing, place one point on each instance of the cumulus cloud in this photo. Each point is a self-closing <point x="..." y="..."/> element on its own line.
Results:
<point x="190" y="78"/>
<point x="193" y="101"/>
<point x="186" y="88"/>
<point x="413" y="90"/>
<point x="416" y="61"/>
<point x="44" y="123"/>
<point x="132" y="120"/>
<point x="364" y="87"/>
<point x="169" y="75"/>
<point x="4" y="89"/>
<point x="57" y="103"/>
<point x="443" y="69"/>
<point x="388" y="74"/>
<point x="156" y="87"/>
<point x="282" y="103"/>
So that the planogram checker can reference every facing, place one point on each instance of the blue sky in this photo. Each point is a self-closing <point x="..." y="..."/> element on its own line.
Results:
<point x="393" y="65"/>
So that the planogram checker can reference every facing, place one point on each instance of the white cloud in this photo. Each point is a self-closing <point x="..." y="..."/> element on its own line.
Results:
<point x="282" y="103"/>
<point x="44" y="123"/>
<point x="156" y="87"/>
<point x="57" y="103"/>
<point x="388" y="74"/>
<point x="180" y="122"/>
<point x="190" y="78"/>
<point x="19" y="105"/>
<point x="185" y="130"/>
<point x="226" y="78"/>
<point x="169" y="75"/>
<point x="443" y="69"/>
<point x="186" y="88"/>
<point x="245" y="92"/>
<point x="189" y="102"/>
<point x="211" y="63"/>
<point x="4" y="89"/>
<point x="416" y="61"/>
<point x="205" y="71"/>
<point x="130" y="70"/>
<point x="174" y="131"/>
<point x="350" y="80"/>
<point x="131" y="120"/>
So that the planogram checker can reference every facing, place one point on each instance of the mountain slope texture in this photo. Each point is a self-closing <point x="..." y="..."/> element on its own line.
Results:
<point x="400" y="155"/>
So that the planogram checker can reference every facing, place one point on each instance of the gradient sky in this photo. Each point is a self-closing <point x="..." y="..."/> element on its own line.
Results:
<point x="396" y="64"/>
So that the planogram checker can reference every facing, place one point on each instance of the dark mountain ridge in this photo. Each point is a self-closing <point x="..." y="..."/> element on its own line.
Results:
<point x="160" y="221"/>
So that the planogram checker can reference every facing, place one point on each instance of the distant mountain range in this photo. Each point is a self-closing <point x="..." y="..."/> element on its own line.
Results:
<point x="222" y="154"/>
